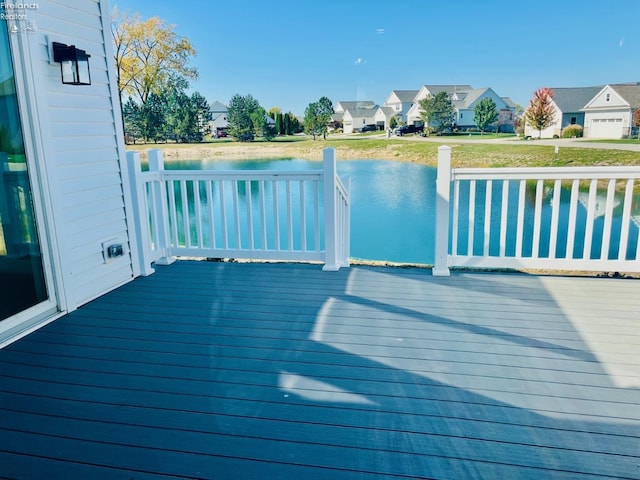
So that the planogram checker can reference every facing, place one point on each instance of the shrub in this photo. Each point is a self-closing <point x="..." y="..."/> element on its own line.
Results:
<point x="572" y="131"/>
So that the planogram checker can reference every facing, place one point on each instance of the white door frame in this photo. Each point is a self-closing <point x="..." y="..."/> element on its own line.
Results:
<point x="24" y="48"/>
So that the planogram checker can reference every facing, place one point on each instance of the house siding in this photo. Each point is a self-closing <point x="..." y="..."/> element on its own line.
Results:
<point x="82" y="145"/>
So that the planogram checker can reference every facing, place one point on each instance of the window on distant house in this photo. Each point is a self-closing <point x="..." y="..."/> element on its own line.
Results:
<point x="607" y="97"/>
<point x="461" y="114"/>
<point x="574" y="120"/>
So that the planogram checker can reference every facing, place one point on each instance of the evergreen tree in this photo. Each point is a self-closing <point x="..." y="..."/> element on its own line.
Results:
<point x="437" y="112"/>
<point x="239" y="116"/>
<point x="287" y="124"/>
<point x="485" y="113"/>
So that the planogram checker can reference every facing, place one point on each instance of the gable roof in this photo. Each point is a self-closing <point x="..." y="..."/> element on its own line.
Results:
<point x="218" y="107"/>
<point x="360" y="112"/>
<point x="350" y="105"/>
<point x="630" y="92"/>
<point x="405" y="96"/>
<point x="510" y="103"/>
<point x="573" y="99"/>
<point x="450" y="89"/>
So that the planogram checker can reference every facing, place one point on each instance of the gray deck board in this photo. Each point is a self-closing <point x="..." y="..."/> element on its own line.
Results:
<point x="218" y="370"/>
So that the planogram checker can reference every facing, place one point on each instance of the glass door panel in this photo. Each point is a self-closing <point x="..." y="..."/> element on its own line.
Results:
<point x="22" y="279"/>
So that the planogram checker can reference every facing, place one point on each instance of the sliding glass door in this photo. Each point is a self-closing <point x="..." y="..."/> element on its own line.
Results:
<point x="22" y="278"/>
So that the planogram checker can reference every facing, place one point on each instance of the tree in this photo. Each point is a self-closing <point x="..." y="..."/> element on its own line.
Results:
<point x="279" y="125"/>
<point x="153" y="118"/>
<point x="324" y="111"/>
<point x="261" y="124"/>
<point x="485" y="113"/>
<point x="437" y="111"/>
<point x="241" y="125"/>
<point x="541" y="113"/>
<point x="287" y="124"/>
<point x="132" y="118"/>
<point x="393" y="123"/>
<point x="636" y="121"/>
<point x="149" y="56"/>
<point x="316" y="117"/>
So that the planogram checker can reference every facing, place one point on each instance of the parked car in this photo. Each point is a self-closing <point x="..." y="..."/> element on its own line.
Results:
<point x="404" y="129"/>
<point x="369" y="128"/>
<point x="221" y="134"/>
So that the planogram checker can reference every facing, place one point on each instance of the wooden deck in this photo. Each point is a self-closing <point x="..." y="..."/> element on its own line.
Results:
<point x="250" y="371"/>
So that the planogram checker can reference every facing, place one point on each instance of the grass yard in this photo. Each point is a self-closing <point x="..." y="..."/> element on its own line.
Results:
<point x="464" y="153"/>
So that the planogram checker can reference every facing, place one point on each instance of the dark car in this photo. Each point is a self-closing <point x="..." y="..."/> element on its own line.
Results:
<point x="369" y="128"/>
<point x="404" y="129"/>
<point x="221" y="134"/>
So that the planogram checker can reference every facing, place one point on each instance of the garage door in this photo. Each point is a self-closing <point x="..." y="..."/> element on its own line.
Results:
<point x="606" y="128"/>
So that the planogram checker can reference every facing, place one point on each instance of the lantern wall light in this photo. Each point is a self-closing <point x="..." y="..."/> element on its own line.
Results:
<point x="74" y="64"/>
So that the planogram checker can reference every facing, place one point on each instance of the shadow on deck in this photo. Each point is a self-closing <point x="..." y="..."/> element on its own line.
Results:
<point x="243" y="371"/>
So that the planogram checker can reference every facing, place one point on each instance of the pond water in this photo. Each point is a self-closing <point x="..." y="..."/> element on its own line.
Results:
<point x="393" y="207"/>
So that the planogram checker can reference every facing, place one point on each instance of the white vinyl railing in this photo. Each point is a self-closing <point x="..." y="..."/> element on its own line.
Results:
<point x="251" y="214"/>
<point x="574" y="218"/>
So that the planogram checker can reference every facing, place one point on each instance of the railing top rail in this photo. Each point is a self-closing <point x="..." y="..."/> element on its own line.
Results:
<point x="546" y="173"/>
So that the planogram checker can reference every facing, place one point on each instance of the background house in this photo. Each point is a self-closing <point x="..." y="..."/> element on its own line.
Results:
<point x="609" y="114"/>
<point x="354" y="119"/>
<point x="218" y="117"/>
<point x="464" y="99"/>
<point x="63" y="175"/>
<point x="401" y="101"/>
<point x="568" y="104"/>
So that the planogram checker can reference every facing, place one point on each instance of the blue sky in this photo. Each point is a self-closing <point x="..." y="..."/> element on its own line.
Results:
<point x="289" y="53"/>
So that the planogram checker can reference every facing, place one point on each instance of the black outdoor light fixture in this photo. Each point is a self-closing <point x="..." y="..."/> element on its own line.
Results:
<point x="74" y="64"/>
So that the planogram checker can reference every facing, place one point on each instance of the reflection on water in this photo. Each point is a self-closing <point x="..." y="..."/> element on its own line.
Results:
<point x="393" y="210"/>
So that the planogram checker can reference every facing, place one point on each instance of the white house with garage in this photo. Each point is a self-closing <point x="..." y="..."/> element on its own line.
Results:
<point x="609" y="114"/>
<point x="354" y="119"/>
<point x="64" y="198"/>
<point x="568" y="104"/>
<point x="401" y="101"/>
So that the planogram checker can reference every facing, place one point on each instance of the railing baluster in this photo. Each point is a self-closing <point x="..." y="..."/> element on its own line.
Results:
<point x="555" y="218"/>
<point x="591" y="215"/>
<point x="472" y="217"/>
<point x="263" y="216"/>
<point x="573" y="219"/>
<point x="185" y="213"/>
<point x="171" y="192"/>
<point x="236" y="213"/>
<point x="537" y="221"/>
<point x="276" y="217"/>
<point x="247" y="186"/>
<point x="289" y="218"/>
<point x="455" y="218"/>
<point x="223" y="214"/>
<point x="317" y="215"/>
<point x="198" y="213"/>
<point x="504" y="215"/>
<point x="212" y="217"/>
<point x="608" y="220"/>
<point x="303" y="216"/>
<point x="626" y="220"/>
<point x="487" y="216"/>
<point x="522" y="190"/>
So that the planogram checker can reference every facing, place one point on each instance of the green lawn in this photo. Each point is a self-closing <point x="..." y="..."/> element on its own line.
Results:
<point x="463" y="153"/>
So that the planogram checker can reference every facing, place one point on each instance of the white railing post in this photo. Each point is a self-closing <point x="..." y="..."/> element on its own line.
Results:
<point x="443" y="187"/>
<point x="139" y="237"/>
<point x="330" y="217"/>
<point x="161" y="211"/>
